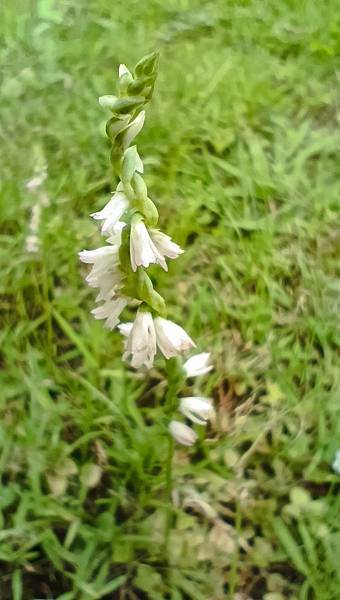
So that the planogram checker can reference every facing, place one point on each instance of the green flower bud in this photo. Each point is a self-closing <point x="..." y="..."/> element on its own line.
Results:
<point x="139" y="186"/>
<point x="149" y="212"/>
<point x="141" y="201"/>
<point x="147" y="65"/>
<point x="130" y="164"/>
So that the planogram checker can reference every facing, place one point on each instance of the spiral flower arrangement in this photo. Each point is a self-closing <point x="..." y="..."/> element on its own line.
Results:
<point x="132" y="243"/>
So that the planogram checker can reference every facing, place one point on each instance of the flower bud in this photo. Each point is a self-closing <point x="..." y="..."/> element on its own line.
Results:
<point x="182" y="433"/>
<point x="131" y="163"/>
<point x="115" y="125"/>
<point x="147" y="65"/>
<point x="197" y="365"/>
<point x="125" y="79"/>
<point x="149" y="212"/>
<point x="171" y="338"/>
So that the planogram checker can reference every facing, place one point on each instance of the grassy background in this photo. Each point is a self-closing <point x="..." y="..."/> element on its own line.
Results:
<point x="240" y="152"/>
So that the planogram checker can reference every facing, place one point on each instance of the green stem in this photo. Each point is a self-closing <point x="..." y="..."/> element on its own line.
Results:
<point x="174" y="383"/>
<point x="168" y="475"/>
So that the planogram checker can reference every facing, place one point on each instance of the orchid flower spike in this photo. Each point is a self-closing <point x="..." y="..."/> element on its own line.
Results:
<point x="129" y="223"/>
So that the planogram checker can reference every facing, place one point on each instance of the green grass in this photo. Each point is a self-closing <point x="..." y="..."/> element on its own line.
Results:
<point x="240" y="147"/>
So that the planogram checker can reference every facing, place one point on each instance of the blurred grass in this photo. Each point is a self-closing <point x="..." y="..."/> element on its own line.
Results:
<point x="240" y="147"/>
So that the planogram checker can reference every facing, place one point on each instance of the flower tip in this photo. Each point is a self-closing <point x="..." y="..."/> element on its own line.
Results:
<point x="123" y="70"/>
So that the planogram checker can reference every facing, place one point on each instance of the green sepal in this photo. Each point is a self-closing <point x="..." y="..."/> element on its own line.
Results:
<point x="147" y="64"/>
<point x="147" y="293"/>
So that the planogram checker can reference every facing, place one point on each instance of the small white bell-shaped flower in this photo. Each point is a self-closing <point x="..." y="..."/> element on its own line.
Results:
<point x="164" y="244"/>
<point x="171" y="338"/>
<point x="141" y="341"/>
<point x="113" y="210"/>
<point x="197" y="365"/>
<point x="197" y="409"/>
<point x="183" y="434"/>
<point x="143" y="251"/>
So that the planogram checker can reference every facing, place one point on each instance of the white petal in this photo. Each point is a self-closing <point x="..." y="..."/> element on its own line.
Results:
<point x="197" y="409"/>
<point x="110" y="311"/>
<point x="141" y="343"/>
<point x="197" y="365"/>
<point x="182" y="433"/>
<point x="90" y="256"/>
<point x="133" y="129"/>
<point x="336" y="462"/>
<point x="143" y="252"/>
<point x="125" y="328"/>
<point x="117" y="205"/>
<point x="123" y="70"/>
<point x="35" y="182"/>
<point x="171" y="338"/>
<point x="164" y="244"/>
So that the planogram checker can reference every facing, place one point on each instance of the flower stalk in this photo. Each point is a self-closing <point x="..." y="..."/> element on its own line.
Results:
<point x="118" y="269"/>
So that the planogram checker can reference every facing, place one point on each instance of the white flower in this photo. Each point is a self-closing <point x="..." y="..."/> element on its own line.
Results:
<point x="115" y="233"/>
<point x="164" y="244"/>
<point x="171" y="338"/>
<point x="105" y="273"/>
<point x="197" y="409"/>
<point x="141" y="342"/>
<point x="107" y="283"/>
<point x="110" y="311"/>
<point x="336" y="462"/>
<point x="182" y="433"/>
<point x="32" y="244"/>
<point x="99" y="255"/>
<point x="113" y="210"/>
<point x="143" y="251"/>
<point x="36" y="182"/>
<point x="197" y="365"/>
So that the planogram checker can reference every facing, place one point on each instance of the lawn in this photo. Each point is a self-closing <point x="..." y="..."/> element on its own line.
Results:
<point x="240" y="150"/>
